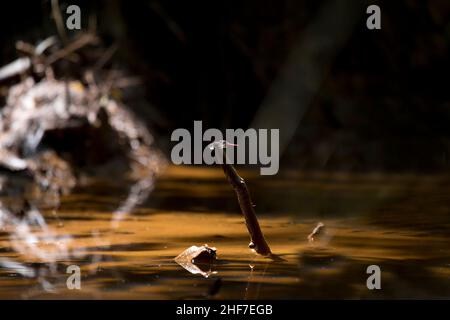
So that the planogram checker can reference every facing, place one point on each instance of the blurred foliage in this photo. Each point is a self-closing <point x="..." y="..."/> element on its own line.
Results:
<point x="383" y="103"/>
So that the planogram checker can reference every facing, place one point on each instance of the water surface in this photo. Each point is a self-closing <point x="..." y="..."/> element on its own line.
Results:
<point x="398" y="222"/>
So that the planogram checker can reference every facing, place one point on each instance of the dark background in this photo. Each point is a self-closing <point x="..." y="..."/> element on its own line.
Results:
<point x="367" y="100"/>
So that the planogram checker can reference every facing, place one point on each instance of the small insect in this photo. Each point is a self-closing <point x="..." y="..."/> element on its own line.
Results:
<point x="221" y="144"/>
<point x="318" y="230"/>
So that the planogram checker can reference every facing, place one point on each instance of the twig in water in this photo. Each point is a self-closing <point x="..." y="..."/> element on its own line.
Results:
<point x="258" y="242"/>
<point x="316" y="232"/>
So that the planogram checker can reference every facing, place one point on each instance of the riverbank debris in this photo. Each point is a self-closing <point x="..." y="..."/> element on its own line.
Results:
<point x="318" y="231"/>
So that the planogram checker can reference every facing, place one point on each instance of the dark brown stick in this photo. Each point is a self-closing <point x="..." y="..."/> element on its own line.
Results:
<point x="258" y="242"/>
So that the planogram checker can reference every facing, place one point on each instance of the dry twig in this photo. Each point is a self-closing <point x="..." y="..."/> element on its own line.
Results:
<point x="258" y="242"/>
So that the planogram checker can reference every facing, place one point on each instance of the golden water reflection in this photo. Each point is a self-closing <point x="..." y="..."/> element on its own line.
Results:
<point x="399" y="223"/>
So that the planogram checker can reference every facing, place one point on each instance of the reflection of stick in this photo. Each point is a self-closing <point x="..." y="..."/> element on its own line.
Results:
<point x="258" y="242"/>
<point x="138" y="193"/>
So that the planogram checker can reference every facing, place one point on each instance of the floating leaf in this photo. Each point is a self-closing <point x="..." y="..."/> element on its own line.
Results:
<point x="192" y="257"/>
